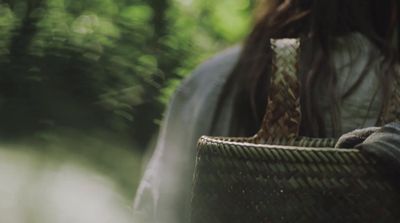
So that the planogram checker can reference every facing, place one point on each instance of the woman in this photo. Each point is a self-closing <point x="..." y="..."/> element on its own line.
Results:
<point x="348" y="69"/>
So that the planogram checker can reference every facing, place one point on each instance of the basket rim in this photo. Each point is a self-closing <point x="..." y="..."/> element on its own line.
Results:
<point x="219" y="140"/>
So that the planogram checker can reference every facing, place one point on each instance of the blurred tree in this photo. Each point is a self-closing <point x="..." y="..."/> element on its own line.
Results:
<point x="104" y="64"/>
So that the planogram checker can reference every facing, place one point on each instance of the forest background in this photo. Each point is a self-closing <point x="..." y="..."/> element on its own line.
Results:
<point x="87" y="81"/>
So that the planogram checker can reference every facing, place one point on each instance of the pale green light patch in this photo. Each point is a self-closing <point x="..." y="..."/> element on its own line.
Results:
<point x="137" y="13"/>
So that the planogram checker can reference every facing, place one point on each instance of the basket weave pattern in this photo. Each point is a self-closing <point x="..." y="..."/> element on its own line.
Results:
<point x="283" y="114"/>
<point x="242" y="182"/>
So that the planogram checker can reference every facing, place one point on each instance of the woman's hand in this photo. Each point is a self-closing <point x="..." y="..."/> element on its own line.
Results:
<point x="382" y="143"/>
<point x="354" y="138"/>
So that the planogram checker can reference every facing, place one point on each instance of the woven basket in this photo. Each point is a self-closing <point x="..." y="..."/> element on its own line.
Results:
<point x="288" y="179"/>
<point x="245" y="182"/>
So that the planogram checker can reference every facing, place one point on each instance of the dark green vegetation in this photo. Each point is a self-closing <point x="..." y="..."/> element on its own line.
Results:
<point x="82" y="76"/>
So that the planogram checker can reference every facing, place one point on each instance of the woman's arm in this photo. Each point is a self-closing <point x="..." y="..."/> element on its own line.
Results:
<point x="383" y="143"/>
<point x="164" y="192"/>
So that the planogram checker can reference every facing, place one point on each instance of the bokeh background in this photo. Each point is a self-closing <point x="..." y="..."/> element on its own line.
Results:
<point x="83" y="86"/>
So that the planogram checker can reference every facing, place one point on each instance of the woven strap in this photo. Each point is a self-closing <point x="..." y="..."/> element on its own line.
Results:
<point x="283" y="115"/>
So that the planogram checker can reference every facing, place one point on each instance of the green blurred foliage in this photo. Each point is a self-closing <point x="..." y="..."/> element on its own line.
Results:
<point x="104" y="64"/>
<point x="89" y="80"/>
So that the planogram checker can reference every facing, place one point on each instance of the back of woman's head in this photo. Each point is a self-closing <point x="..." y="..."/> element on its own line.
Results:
<point x="324" y="19"/>
<point x="320" y="23"/>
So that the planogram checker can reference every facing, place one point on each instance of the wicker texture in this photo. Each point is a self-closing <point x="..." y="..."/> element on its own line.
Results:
<point x="241" y="182"/>
<point x="278" y="177"/>
<point x="283" y="114"/>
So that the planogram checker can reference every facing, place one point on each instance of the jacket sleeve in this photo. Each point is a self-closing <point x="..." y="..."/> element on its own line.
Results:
<point x="164" y="192"/>
<point x="166" y="163"/>
<point x="384" y="145"/>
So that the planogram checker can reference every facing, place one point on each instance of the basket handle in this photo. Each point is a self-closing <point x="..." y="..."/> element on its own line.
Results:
<point x="283" y="113"/>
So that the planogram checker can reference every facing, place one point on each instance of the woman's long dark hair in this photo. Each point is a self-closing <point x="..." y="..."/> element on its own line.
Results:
<point x="319" y="22"/>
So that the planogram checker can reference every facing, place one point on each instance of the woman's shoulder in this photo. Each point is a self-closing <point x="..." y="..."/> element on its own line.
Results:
<point x="211" y="73"/>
